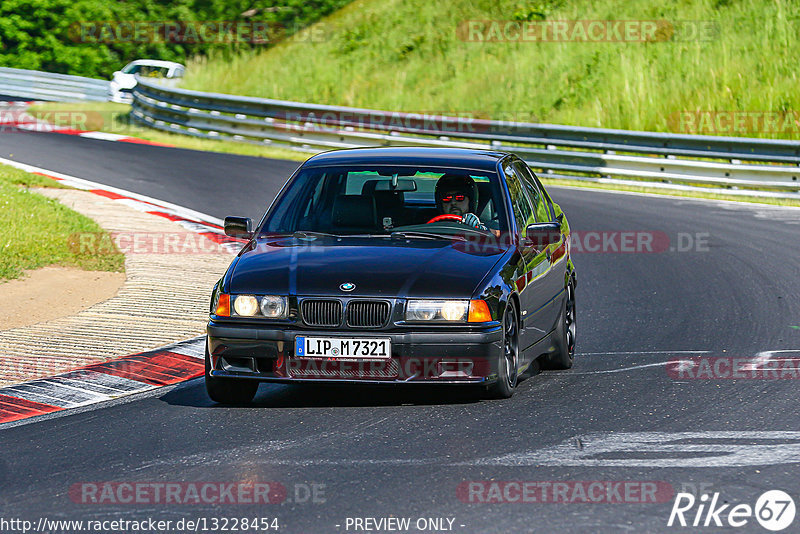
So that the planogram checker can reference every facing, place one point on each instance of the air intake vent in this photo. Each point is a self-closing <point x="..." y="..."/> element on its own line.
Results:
<point x="368" y="313"/>
<point x="322" y="312"/>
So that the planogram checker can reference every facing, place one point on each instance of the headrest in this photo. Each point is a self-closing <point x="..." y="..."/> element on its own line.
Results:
<point x="353" y="210"/>
<point x="382" y="198"/>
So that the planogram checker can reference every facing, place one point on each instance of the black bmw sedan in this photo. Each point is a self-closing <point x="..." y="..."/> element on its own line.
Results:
<point x="396" y="266"/>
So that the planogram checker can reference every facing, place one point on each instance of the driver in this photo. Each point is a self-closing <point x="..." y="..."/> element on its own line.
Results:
<point x="458" y="195"/>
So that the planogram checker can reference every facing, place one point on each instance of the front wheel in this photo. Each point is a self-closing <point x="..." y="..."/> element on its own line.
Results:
<point x="564" y="355"/>
<point x="508" y="367"/>
<point x="228" y="390"/>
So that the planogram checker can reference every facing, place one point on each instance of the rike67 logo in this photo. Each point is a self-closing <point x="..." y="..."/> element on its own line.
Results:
<point x="774" y="510"/>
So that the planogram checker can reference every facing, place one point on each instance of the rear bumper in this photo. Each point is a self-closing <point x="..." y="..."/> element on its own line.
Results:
<point x="449" y="356"/>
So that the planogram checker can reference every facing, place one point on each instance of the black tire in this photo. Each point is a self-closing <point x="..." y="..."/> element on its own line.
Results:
<point x="564" y="355"/>
<point x="227" y="390"/>
<point x="508" y="367"/>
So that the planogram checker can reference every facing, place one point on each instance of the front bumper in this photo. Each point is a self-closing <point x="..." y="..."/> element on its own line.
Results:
<point x="442" y="356"/>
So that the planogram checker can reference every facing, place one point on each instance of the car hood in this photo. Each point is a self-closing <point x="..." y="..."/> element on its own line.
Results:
<point x="124" y="81"/>
<point x="377" y="266"/>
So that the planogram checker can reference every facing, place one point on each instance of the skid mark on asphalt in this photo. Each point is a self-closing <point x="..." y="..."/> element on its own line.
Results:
<point x="631" y="368"/>
<point x="258" y="454"/>
<point x="662" y="449"/>
<point x="635" y="352"/>
<point x="617" y="449"/>
<point x="691" y="361"/>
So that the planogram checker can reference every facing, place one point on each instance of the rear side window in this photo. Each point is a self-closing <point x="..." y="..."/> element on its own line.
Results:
<point x="523" y="213"/>
<point x="540" y="206"/>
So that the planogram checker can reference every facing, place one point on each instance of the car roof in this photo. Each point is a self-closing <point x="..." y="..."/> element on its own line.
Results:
<point x="436" y="157"/>
<point x="155" y="63"/>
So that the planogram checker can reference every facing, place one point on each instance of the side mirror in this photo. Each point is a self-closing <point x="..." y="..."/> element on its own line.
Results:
<point x="540" y="235"/>
<point x="240" y="227"/>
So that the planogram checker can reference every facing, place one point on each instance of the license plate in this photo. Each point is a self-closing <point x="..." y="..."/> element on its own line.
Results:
<point x="337" y="347"/>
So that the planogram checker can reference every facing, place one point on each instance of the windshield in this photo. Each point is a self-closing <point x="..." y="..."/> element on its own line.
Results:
<point x="147" y="71"/>
<point x="383" y="199"/>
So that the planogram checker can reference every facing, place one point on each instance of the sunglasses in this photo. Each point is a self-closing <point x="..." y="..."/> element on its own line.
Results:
<point x="449" y="198"/>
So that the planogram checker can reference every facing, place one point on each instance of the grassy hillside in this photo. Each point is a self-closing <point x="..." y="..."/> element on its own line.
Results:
<point x="408" y="55"/>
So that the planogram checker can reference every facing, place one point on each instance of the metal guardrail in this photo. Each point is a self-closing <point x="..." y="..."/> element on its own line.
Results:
<point x="38" y="85"/>
<point x="760" y="167"/>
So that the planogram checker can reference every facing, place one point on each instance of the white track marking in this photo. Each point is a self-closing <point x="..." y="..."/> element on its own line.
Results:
<point x="196" y="348"/>
<point x="81" y="183"/>
<point x="103" y="136"/>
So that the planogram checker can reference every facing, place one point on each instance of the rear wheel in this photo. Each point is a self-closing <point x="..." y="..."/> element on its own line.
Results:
<point x="564" y="355"/>
<point x="508" y="367"/>
<point x="228" y="390"/>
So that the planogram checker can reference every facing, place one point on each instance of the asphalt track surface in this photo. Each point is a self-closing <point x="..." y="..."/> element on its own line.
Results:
<point x="380" y="453"/>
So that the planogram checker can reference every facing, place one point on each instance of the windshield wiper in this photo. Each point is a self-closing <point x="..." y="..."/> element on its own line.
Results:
<point x="425" y="235"/>
<point x="306" y="233"/>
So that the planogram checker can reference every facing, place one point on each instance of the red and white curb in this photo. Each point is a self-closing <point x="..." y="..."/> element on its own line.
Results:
<point x="12" y="104"/>
<point x="130" y="374"/>
<point x="194" y="221"/>
<point x="13" y="116"/>
<point x="104" y="381"/>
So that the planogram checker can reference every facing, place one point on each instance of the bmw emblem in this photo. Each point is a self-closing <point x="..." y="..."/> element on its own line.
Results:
<point x="347" y="286"/>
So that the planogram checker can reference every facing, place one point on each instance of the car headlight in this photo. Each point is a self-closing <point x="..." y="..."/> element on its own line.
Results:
<point x="245" y="305"/>
<point x="269" y="306"/>
<point x="437" y="310"/>
<point x="274" y="307"/>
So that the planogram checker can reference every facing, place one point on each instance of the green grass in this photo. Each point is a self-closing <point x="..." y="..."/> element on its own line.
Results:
<point x="406" y="55"/>
<point x="36" y="231"/>
<point x="10" y="175"/>
<point x="114" y="118"/>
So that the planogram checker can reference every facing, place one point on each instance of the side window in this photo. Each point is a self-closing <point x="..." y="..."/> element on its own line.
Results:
<point x="547" y="198"/>
<point x="519" y="200"/>
<point x="540" y="208"/>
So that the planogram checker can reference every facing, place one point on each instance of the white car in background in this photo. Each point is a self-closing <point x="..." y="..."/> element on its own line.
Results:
<point x="123" y="81"/>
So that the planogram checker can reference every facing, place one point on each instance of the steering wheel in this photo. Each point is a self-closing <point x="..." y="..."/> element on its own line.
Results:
<point x="446" y="217"/>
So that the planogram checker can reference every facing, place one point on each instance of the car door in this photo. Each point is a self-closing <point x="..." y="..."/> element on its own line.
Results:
<point x="553" y="281"/>
<point x="532" y="266"/>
